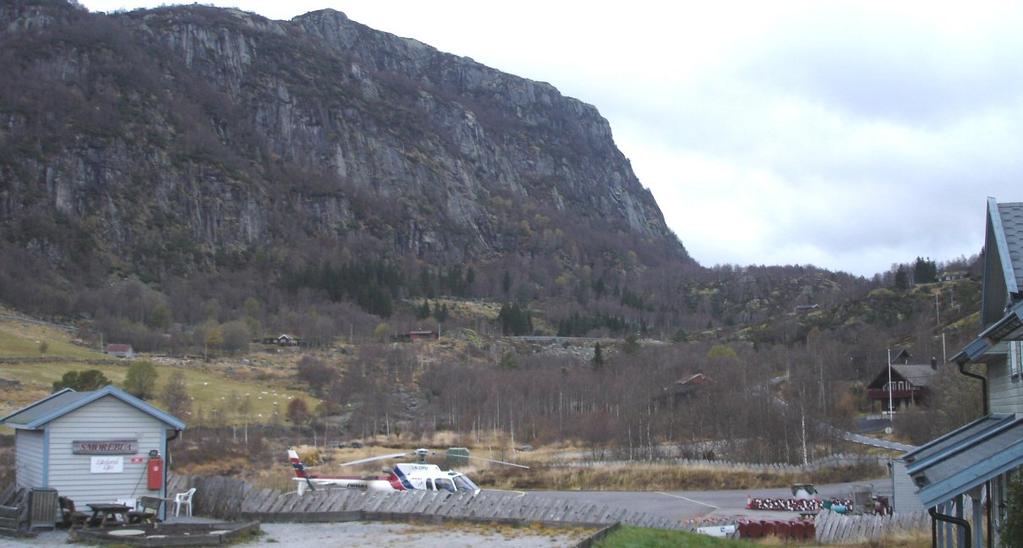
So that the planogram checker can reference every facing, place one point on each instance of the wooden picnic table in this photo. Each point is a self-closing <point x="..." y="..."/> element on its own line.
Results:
<point x="104" y="513"/>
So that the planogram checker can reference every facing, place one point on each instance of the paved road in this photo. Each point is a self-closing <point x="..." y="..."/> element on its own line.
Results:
<point x="688" y="505"/>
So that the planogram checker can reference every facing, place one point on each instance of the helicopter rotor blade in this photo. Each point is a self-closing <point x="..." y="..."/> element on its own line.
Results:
<point x="374" y="459"/>
<point x="501" y="462"/>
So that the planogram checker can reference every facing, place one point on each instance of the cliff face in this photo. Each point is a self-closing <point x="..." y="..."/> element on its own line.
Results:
<point x="168" y="139"/>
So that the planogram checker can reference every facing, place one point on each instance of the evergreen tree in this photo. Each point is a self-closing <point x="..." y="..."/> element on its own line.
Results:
<point x="514" y="320"/>
<point x="598" y="357"/>
<point x="506" y="282"/>
<point x="423" y="312"/>
<point x="440" y="313"/>
<point x="925" y="271"/>
<point x="901" y="279"/>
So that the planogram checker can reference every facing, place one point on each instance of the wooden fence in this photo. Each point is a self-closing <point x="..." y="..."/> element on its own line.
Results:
<point x="832" y="528"/>
<point x="228" y="498"/>
<point x="233" y="499"/>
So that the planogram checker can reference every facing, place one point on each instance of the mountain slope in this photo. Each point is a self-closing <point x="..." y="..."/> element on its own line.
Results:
<point x="182" y="139"/>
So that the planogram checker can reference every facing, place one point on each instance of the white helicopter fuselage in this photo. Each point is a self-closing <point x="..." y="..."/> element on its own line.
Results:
<point x="402" y="477"/>
<point x="430" y="477"/>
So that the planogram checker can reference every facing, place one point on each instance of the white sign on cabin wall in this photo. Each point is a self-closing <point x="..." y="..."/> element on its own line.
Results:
<point x="106" y="465"/>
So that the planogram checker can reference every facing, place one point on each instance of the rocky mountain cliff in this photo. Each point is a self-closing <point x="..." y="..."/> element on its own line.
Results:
<point x="178" y="139"/>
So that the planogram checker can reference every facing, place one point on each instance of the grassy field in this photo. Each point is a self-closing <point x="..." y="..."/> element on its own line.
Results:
<point x="23" y="339"/>
<point x="208" y="389"/>
<point x="224" y="384"/>
<point x="642" y="537"/>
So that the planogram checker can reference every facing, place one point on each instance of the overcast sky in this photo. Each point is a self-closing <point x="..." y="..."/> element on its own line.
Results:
<point x="849" y="135"/>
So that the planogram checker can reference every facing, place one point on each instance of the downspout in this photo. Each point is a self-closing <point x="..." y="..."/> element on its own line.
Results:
<point x="166" y="466"/>
<point x="983" y="389"/>
<point x="953" y="520"/>
<point x="983" y="384"/>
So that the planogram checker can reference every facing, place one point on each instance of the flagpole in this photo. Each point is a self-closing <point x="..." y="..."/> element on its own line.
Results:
<point x="891" y="411"/>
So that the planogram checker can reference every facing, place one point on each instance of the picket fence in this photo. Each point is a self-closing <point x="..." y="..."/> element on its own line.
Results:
<point x="233" y="499"/>
<point x="833" y="528"/>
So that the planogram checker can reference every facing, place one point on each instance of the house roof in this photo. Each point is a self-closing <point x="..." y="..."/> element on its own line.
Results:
<point x="966" y="457"/>
<point x="1002" y="306"/>
<point x="65" y="401"/>
<point x="1009" y="240"/>
<point x="917" y="374"/>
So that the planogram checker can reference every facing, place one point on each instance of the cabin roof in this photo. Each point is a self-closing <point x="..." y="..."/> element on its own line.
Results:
<point x="917" y="374"/>
<point x="65" y="401"/>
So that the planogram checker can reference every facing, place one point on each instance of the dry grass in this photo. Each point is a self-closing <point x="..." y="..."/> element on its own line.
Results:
<point x="640" y="477"/>
<point x="22" y="339"/>
<point x="263" y="377"/>
<point x="905" y="540"/>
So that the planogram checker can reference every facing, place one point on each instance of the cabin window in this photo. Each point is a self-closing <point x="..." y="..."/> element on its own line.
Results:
<point x="1015" y="358"/>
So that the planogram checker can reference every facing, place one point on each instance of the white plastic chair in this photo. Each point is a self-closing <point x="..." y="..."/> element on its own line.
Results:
<point x="184" y="498"/>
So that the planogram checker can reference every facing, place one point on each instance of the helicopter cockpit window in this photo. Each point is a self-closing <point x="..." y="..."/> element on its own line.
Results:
<point x="445" y="484"/>
<point x="465" y="484"/>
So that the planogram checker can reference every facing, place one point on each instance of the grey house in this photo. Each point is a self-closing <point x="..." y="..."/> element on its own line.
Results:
<point x="93" y="446"/>
<point x="975" y="461"/>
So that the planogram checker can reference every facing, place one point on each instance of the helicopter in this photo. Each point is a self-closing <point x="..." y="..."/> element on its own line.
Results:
<point x="419" y="475"/>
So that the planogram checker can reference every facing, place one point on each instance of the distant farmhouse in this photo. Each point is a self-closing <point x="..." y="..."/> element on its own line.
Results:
<point x="909" y="385"/>
<point x="682" y="389"/>
<point x="953" y="275"/>
<point x="419" y="335"/>
<point x="977" y="460"/>
<point x="120" y="350"/>
<point x="283" y="340"/>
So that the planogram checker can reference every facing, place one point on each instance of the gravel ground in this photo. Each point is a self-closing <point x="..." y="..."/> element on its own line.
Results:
<point x="358" y="534"/>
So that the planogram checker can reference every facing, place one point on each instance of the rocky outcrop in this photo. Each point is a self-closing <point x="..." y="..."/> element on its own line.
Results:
<point x="172" y="137"/>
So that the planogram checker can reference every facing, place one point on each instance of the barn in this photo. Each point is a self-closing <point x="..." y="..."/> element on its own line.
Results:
<point x="97" y="446"/>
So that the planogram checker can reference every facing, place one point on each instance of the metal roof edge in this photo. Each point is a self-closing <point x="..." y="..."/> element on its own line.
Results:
<point x="945" y="489"/>
<point x="1003" y="246"/>
<point x="111" y="390"/>
<point x="33" y="404"/>
<point x="1004" y="423"/>
<point x="947" y="435"/>
<point x="984" y="341"/>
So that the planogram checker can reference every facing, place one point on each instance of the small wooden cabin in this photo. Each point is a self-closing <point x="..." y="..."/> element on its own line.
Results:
<point x="92" y="446"/>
